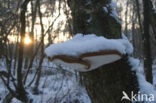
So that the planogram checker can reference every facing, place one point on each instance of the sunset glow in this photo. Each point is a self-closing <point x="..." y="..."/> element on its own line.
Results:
<point x="27" y="40"/>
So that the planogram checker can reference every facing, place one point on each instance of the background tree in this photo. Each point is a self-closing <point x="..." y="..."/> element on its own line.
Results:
<point x="146" y="41"/>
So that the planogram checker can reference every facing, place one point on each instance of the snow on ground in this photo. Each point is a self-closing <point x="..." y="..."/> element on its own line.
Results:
<point x="56" y="86"/>
<point x="2" y="66"/>
<point x="145" y="87"/>
<point x="3" y="90"/>
<point x="80" y="44"/>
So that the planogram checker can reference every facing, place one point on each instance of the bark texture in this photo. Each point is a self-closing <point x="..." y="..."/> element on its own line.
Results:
<point x="105" y="84"/>
<point x="89" y="16"/>
<point x="146" y="42"/>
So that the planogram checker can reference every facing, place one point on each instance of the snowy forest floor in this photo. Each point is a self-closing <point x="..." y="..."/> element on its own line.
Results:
<point x="58" y="85"/>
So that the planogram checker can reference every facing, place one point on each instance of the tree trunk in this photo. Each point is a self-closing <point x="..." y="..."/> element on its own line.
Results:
<point x="146" y="43"/>
<point x="21" y="93"/>
<point x="8" y="98"/>
<point x="105" y="84"/>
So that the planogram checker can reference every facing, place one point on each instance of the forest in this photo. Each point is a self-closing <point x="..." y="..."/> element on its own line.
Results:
<point x="77" y="51"/>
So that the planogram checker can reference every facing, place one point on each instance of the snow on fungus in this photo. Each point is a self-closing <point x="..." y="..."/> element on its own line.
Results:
<point x="87" y="52"/>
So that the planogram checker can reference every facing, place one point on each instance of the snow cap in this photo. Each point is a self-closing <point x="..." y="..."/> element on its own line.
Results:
<point x="87" y="52"/>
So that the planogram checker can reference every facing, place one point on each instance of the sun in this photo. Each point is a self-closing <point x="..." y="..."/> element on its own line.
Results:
<point x="27" y="40"/>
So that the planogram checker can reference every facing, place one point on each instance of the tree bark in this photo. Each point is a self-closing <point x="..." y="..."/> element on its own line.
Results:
<point x="21" y="93"/>
<point x="146" y="42"/>
<point x="91" y="18"/>
<point x="8" y="98"/>
<point x="42" y="52"/>
<point x="105" y="84"/>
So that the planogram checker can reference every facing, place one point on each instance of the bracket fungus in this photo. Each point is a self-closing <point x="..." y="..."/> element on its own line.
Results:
<point x="97" y="59"/>
<point x="87" y="61"/>
<point x="87" y="52"/>
<point x="71" y="62"/>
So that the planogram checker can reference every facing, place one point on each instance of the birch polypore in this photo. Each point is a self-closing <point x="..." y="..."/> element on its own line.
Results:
<point x="101" y="58"/>
<point x="71" y="62"/>
<point x="87" y="61"/>
<point x="88" y="52"/>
